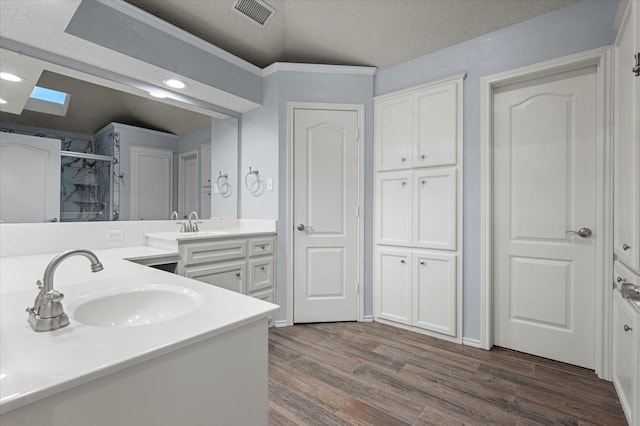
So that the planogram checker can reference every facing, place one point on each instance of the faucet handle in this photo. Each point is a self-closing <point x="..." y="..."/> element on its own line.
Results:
<point x="54" y="296"/>
<point x="40" y="284"/>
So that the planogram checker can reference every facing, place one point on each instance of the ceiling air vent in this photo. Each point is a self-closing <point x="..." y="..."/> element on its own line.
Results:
<point x="257" y="11"/>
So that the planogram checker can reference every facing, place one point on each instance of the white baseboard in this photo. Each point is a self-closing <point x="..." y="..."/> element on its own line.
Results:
<point x="368" y="318"/>
<point x="282" y="323"/>
<point x="475" y="343"/>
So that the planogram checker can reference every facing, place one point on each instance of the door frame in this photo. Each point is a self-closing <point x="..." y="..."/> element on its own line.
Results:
<point x="290" y="225"/>
<point x="601" y="59"/>
<point x="182" y="159"/>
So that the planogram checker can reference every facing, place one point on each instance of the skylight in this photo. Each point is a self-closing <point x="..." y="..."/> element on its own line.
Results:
<point x="48" y="95"/>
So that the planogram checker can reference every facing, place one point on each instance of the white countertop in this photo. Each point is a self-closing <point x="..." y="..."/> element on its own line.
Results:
<point x="36" y="365"/>
<point x="206" y="235"/>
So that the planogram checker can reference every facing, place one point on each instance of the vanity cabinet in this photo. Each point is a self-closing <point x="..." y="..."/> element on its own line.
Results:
<point x="244" y="265"/>
<point x="626" y="356"/>
<point x="627" y="137"/>
<point x="418" y="209"/>
<point x="418" y="127"/>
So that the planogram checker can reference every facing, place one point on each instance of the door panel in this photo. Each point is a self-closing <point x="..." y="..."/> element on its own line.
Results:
<point x="435" y="218"/>
<point x="151" y="183"/>
<point x="545" y="185"/>
<point x="394" y="273"/>
<point x="434" y="297"/>
<point x="326" y="180"/>
<point x="394" y="205"/>
<point x="29" y="178"/>
<point x="437" y="126"/>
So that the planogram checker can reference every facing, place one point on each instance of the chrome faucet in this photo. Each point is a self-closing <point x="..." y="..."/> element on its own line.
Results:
<point x="174" y="215"/>
<point x="47" y="312"/>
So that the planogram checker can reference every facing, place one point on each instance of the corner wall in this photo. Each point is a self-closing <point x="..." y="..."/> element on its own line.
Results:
<point x="585" y="25"/>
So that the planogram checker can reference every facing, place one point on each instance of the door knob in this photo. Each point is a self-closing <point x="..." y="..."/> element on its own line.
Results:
<point x="583" y="232"/>
<point x="301" y="227"/>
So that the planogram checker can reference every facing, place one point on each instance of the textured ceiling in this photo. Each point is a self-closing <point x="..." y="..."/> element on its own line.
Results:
<point x="92" y="107"/>
<point x="378" y="33"/>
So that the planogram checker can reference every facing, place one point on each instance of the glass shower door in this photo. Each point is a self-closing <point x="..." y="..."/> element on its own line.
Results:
<point x="86" y="187"/>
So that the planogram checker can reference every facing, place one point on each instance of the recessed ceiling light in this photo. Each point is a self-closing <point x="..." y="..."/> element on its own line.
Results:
<point x="9" y="77"/>
<point x="2" y="101"/>
<point x="158" y="94"/>
<point x="175" y="83"/>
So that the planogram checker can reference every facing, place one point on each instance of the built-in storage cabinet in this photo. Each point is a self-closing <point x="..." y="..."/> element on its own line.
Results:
<point x="418" y="208"/>
<point x="627" y="138"/>
<point x="417" y="217"/>
<point x="418" y="128"/>
<point x="626" y="357"/>
<point x="244" y="265"/>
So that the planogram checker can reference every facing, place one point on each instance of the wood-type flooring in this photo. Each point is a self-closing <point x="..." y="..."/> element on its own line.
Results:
<point x="373" y="374"/>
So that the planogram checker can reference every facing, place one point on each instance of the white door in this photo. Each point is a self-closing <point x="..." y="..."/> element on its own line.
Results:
<point x="151" y="183"/>
<point x="29" y="178"/>
<point x="545" y="185"/>
<point x="326" y="182"/>
<point x="188" y="188"/>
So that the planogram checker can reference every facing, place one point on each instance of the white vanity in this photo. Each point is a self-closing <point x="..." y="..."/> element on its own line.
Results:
<point x="144" y="346"/>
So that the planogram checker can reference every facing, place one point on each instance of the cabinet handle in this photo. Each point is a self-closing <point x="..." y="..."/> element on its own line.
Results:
<point x="262" y="247"/>
<point x="626" y="247"/>
<point x="422" y="262"/>
<point x="403" y="261"/>
<point x="238" y="274"/>
<point x="404" y="183"/>
<point x="627" y="328"/>
<point x="620" y="279"/>
<point x="262" y="268"/>
<point x="422" y="156"/>
<point x="403" y="159"/>
<point x="423" y="181"/>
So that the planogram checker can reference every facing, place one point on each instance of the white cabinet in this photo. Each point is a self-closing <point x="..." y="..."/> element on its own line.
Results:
<point x="419" y="127"/>
<point x="418" y="209"/>
<point x="627" y="138"/>
<point x="417" y="288"/>
<point x="244" y="265"/>
<point x="626" y="357"/>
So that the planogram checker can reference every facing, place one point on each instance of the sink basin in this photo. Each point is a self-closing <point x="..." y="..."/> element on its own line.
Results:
<point x="133" y="306"/>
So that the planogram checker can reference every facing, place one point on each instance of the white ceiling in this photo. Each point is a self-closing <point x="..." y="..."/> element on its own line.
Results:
<point x="378" y="33"/>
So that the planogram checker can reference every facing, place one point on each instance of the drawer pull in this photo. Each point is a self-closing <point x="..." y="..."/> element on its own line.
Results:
<point x="627" y="328"/>
<point x="422" y="262"/>
<point x="262" y="268"/>
<point x="620" y="279"/>
<point x="626" y="247"/>
<point x="262" y="247"/>
<point x="422" y="156"/>
<point x="403" y="159"/>
<point x="238" y="274"/>
<point x="403" y="261"/>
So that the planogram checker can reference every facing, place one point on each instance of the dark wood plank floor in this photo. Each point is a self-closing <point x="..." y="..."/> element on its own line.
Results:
<point x="373" y="374"/>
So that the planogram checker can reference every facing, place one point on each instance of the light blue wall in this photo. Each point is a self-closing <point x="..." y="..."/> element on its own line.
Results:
<point x="585" y="25"/>
<point x="224" y="159"/>
<point x="264" y="141"/>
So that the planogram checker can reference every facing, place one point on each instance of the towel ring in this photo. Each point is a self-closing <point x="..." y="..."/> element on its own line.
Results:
<point x="223" y="183"/>
<point x="256" y="187"/>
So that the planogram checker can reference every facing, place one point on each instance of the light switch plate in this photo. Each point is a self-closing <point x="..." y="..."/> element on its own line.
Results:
<point x="270" y="184"/>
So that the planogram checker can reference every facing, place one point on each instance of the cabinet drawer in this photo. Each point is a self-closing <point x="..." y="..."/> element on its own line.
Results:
<point x="260" y="246"/>
<point x="194" y="253"/>
<point x="266" y="295"/>
<point x="229" y="275"/>
<point x="260" y="274"/>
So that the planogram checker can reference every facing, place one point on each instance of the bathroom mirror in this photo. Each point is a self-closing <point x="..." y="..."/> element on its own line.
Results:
<point x="123" y="154"/>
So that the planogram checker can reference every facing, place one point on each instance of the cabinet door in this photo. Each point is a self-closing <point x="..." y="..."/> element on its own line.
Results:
<point x="212" y="251"/>
<point x="435" y="215"/>
<point x="394" y="206"/>
<point x="229" y="275"/>
<point x="436" y="126"/>
<point x="434" y="292"/>
<point x="625" y="357"/>
<point x="393" y="283"/>
<point x="627" y="143"/>
<point x="394" y="133"/>
<point x="260" y="275"/>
